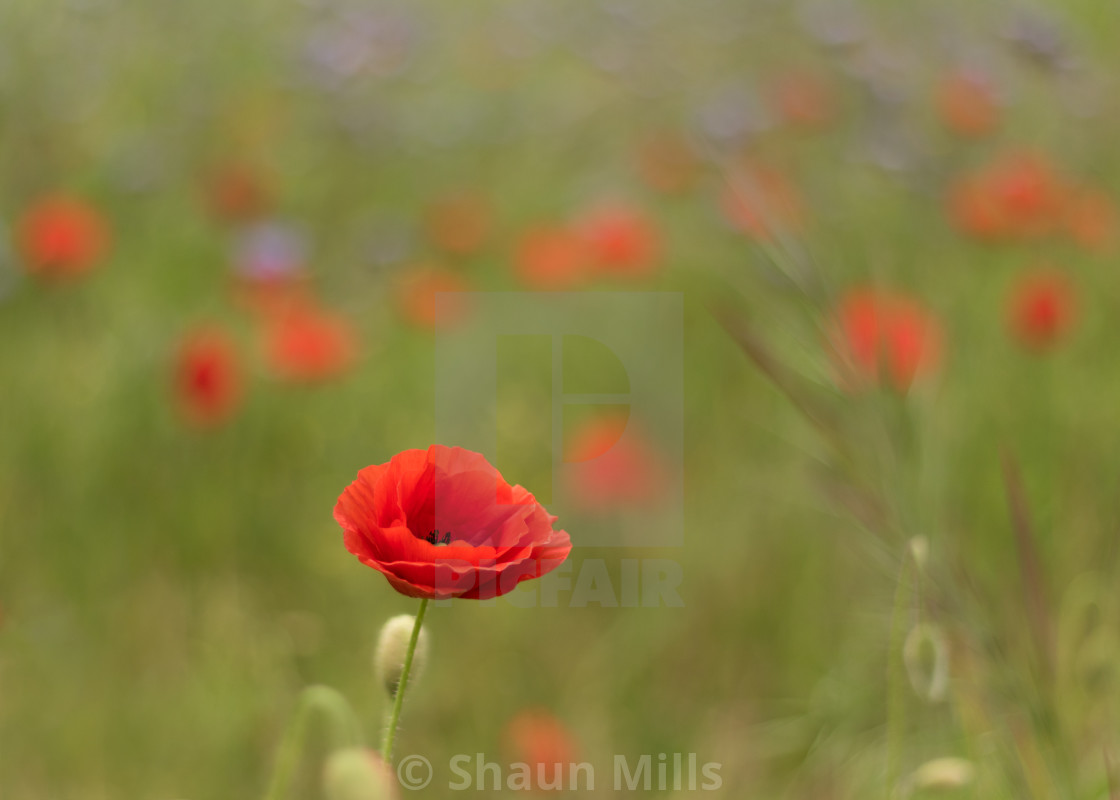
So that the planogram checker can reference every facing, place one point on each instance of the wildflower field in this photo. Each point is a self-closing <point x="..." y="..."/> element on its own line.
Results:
<point x="616" y="398"/>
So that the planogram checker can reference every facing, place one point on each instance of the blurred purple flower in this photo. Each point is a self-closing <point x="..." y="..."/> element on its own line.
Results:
<point x="832" y="22"/>
<point x="270" y="251"/>
<point x="888" y="78"/>
<point x="359" y="40"/>
<point x="1039" y="37"/>
<point x="733" y="112"/>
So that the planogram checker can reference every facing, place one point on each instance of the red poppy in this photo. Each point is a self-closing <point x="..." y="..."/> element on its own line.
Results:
<point x="1091" y="220"/>
<point x="236" y="193"/>
<point x="536" y="738"/>
<point x="208" y="377"/>
<point x="666" y="163"/>
<point x="621" y="241"/>
<point x="442" y="523"/>
<point x="416" y="297"/>
<point x="802" y="98"/>
<point x="975" y="211"/>
<point x="551" y="258"/>
<point x="1031" y="192"/>
<point x="61" y="237"/>
<point x="1041" y="309"/>
<point x="760" y="200"/>
<point x="309" y="344"/>
<point x="613" y="467"/>
<point x="1018" y="196"/>
<point x="967" y="105"/>
<point x="458" y="222"/>
<point x="882" y="335"/>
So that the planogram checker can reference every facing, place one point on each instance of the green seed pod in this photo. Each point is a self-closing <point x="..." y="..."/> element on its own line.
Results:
<point x="392" y="645"/>
<point x="919" y="550"/>
<point x="939" y="774"/>
<point x="355" y="773"/>
<point x="926" y="656"/>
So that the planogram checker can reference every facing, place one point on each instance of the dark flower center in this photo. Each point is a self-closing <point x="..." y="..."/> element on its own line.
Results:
<point x="434" y="537"/>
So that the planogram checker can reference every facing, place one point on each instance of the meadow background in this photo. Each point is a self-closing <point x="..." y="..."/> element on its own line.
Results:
<point x="171" y="576"/>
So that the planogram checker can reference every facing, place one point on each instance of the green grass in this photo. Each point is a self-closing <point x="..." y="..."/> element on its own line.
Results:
<point x="166" y="593"/>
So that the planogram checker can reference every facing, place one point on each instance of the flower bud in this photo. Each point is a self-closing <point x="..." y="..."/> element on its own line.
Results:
<point x="919" y="550"/>
<point x="355" y="773"/>
<point x="940" y="773"/>
<point x="392" y="646"/>
<point x="925" y="654"/>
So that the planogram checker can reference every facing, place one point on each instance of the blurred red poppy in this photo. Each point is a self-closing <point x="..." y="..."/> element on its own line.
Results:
<point x="1041" y="309"/>
<point x="967" y="105"/>
<point x="458" y="222"/>
<point x="621" y="241"/>
<point x="309" y="344"/>
<point x="537" y="738"/>
<point x="974" y="211"/>
<point x="443" y="522"/>
<point x="1091" y="220"/>
<point x="416" y="297"/>
<point x="880" y="335"/>
<point x="802" y="98"/>
<point x="208" y="380"/>
<point x="1030" y="191"/>
<point x="551" y="258"/>
<point x="235" y="192"/>
<point x="759" y="200"/>
<point x="61" y="237"/>
<point x="1018" y="196"/>
<point x="615" y="468"/>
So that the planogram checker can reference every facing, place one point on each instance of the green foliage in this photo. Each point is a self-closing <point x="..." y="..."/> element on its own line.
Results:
<point x="166" y="593"/>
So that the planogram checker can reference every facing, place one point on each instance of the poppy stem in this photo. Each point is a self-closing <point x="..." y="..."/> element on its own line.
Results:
<point x="344" y="727"/>
<point x="398" y="699"/>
